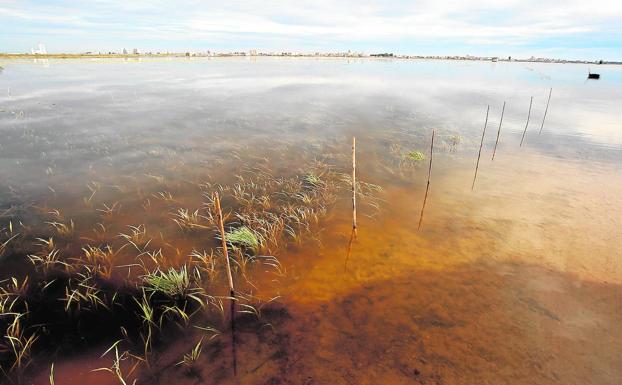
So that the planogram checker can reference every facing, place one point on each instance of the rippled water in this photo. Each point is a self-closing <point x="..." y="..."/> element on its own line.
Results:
<point x="518" y="281"/>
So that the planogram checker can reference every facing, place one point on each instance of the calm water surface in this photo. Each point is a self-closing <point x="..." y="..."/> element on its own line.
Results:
<point x="516" y="282"/>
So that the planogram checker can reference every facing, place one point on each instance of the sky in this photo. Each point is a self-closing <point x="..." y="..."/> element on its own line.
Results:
<point x="570" y="29"/>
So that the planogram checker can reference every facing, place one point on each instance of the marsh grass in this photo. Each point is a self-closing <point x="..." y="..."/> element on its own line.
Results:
<point x="269" y="212"/>
<point x="187" y="220"/>
<point x="63" y="229"/>
<point x="75" y="290"/>
<point x="312" y="180"/>
<point x="173" y="283"/>
<point x="190" y="359"/>
<point x="454" y="141"/>
<point x="137" y="237"/>
<point x="100" y="259"/>
<point x="123" y="366"/>
<point x="243" y="237"/>
<point x="415" y="156"/>
<point x="205" y="265"/>
<point x="4" y="245"/>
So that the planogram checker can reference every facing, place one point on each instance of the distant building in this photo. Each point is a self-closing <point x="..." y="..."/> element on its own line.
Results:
<point x="124" y="51"/>
<point x="40" y="51"/>
<point x="135" y="51"/>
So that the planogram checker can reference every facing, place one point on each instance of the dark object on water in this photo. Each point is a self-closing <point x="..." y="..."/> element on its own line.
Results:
<point x="593" y="76"/>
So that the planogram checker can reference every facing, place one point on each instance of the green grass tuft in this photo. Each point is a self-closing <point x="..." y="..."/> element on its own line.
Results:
<point x="172" y="283"/>
<point x="312" y="180"/>
<point x="415" y="155"/>
<point x="243" y="236"/>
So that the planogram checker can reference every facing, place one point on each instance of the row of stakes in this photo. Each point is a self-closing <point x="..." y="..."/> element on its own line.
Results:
<point x="353" y="235"/>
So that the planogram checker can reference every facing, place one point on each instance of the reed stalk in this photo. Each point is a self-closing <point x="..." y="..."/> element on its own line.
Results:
<point x="427" y="187"/>
<point x="352" y="236"/>
<point x="229" y="279"/>
<point x="354" y="185"/>
<point x="494" y="151"/>
<point x="526" y="124"/>
<point x="546" y="110"/>
<point x="479" y="154"/>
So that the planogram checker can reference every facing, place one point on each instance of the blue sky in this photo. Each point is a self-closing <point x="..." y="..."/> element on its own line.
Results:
<point x="574" y="29"/>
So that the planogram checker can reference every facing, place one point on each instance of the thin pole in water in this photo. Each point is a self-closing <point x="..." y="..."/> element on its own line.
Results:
<point x="480" y="148"/>
<point x="427" y="187"/>
<point x="498" y="132"/>
<point x="527" y="124"/>
<point x="354" y="185"/>
<point x="546" y="110"/>
<point x="352" y="236"/>
<point x="225" y="252"/>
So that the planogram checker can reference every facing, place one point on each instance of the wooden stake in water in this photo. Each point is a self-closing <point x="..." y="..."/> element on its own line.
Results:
<point x="498" y="132"/>
<point x="354" y="185"/>
<point x="225" y="253"/>
<point x="526" y="124"/>
<point x="352" y="236"/>
<point x="427" y="187"/>
<point x="479" y="154"/>
<point x="546" y="110"/>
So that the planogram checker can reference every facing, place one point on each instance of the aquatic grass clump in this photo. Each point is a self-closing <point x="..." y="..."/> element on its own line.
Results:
<point x="119" y="362"/>
<point x="172" y="283"/>
<point x="79" y="293"/>
<point x="9" y="236"/>
<point x="243" y="237"/>
<point x="18" y="345"/>
<point x="190" y="359"/>
<point x="16" y="338"/>
<point x="205" y="263"/>
<point x="5" y="244"/>
<point x="83" y="296"/>
<point x="187" y="220"/>
<point x="47" y="262"/>
<point x="137" y="237"/>
<point x="63" y="229"/>
<point x="275" y="210"/>
<point x="415" y="156"/>
<point x="99" y="260"/>
<point x="454" y="141"/>
<point x="312" y="180"/>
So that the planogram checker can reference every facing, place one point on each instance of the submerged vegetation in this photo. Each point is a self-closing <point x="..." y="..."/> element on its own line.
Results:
<point x="126" y="285"/>
<point x="244" y="237"/>
<point x="415" y="156"/>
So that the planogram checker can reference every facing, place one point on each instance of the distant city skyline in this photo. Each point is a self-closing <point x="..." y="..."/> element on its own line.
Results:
<point x="571" y="30"/>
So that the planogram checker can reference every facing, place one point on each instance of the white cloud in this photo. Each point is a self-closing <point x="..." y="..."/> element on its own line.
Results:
<point x="323" y="22"/>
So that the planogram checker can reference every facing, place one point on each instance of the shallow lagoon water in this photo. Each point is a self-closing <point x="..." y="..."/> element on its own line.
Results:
<point x="517" y="281"/>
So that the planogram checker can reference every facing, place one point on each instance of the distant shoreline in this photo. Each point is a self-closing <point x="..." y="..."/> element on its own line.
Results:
<point x="332" y="56"/>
